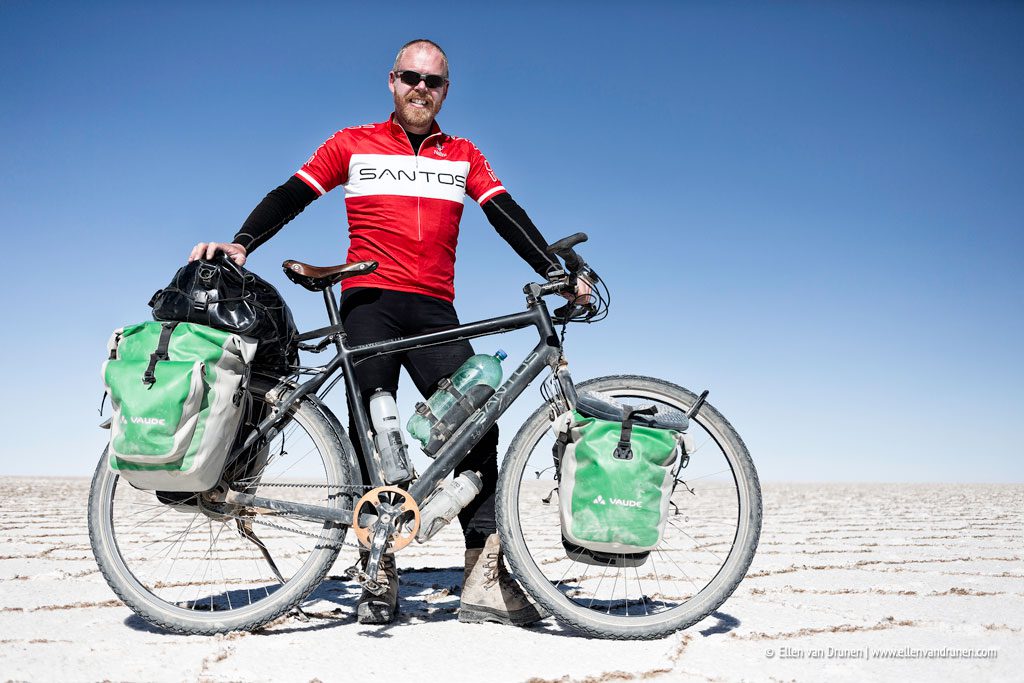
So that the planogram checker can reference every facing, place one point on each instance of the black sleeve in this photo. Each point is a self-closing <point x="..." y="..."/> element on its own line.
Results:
<point x="277" y="208"/>
<point x="516" y="228"/>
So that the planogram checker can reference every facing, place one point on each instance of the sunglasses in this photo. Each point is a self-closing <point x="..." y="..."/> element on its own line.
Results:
<point x="413" y="78"/>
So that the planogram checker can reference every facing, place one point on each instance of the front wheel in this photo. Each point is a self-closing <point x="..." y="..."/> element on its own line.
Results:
<point x="708" y="543"/>
<point x="186" y="567"/>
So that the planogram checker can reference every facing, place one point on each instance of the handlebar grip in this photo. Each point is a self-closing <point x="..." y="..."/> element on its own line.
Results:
<point x="564" y="249"/>
<point x="573" y="262"/>
<point x="567" y="242"/>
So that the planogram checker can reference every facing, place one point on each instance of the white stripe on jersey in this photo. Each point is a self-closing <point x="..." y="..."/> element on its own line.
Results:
<point x="490" y="193"/>
<point x="311" y="179"/>
<point x="406" y="176"/>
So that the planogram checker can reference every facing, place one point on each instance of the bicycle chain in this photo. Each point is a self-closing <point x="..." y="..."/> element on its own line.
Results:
<point x="347" y="487"/>
<point x="328" y="544"/>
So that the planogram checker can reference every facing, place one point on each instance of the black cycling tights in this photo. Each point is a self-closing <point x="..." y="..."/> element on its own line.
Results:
<point x="371" y="315"/>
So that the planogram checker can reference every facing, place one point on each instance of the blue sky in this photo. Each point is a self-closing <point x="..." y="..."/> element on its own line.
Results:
<point x="814" y="210"/>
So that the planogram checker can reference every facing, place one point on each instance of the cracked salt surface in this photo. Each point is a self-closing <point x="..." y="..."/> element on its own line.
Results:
<point x="843" y="571"/>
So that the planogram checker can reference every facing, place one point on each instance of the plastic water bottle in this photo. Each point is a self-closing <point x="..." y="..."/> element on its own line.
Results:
<point x="392" y="458"/>
<point x="478" y="369"/>
<point x="446" y="503"/>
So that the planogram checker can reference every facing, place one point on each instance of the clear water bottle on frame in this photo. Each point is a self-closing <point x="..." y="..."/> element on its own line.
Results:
<point x="392" y="454"/>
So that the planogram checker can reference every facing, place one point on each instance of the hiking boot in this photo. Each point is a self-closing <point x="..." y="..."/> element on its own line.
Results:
<point x="379" y="609"/>
<point x="489" y="593"/>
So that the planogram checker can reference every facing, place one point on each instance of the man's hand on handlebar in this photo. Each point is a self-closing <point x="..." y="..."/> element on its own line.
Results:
<point x="582" y="295"/>
<point x="582" y="300"/>
<point x="207" y="250"/>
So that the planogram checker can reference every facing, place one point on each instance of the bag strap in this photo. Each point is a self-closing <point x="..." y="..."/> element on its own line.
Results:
<point x="243" y="387"/>
<point x="562" y="440"/>
<point x="623" y="451"/>
<point x="118" y="336"/>
<point x="422" y="408"/>
<point x="167" y="329"/>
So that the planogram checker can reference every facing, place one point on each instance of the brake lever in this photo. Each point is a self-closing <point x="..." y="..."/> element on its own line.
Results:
<point x="570" y="311"/>
<point x="562" y="314"/>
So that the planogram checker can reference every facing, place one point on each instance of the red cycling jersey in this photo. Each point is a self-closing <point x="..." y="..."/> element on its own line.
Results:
<point x="403" y="208"/>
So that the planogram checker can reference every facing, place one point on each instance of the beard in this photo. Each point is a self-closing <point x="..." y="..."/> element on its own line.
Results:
<point x="410" y="116"/>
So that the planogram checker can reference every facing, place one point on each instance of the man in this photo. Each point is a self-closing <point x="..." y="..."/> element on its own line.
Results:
<point x="405" y="183"/>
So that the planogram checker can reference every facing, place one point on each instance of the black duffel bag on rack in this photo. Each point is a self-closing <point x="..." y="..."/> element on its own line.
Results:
<point x="221" y="294"/>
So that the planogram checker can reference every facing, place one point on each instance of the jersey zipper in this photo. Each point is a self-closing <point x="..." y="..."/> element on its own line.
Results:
<point x="416" y="165"/>
<point x="416" y="154"/>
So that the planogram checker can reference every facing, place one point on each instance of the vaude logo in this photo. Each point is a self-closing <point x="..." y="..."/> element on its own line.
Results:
<point x="621" y="502"/>
<point x="147" y="420"/>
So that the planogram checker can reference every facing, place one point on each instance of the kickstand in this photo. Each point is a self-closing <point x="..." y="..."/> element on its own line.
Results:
<point x="245" y="528"/>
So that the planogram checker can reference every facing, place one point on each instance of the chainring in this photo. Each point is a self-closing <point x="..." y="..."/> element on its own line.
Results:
<point x="387" y="500"/>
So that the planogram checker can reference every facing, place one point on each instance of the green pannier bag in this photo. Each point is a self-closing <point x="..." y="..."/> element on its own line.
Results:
<point x="176" y="391"/>
<point x="615" y="482"/>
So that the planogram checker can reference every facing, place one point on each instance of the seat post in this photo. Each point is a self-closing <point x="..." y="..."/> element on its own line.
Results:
<point x="333" y="314"/>
<point x="332" y="306"/>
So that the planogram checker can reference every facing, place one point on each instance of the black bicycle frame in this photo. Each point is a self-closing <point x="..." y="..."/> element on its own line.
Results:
<point x="546" y="353"/>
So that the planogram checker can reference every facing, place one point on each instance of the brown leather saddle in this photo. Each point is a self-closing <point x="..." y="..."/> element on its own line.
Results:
<point x="317" y="279"/>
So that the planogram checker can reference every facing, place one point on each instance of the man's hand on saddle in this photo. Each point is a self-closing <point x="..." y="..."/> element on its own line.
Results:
<point x="207" y="250"/>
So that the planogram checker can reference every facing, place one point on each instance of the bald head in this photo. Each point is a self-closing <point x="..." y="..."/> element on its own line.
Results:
<point x="416" y="103"/>
<point x="421" y="44"/>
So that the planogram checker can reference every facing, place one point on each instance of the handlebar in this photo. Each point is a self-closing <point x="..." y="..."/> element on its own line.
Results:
<point x="564" y="249"/>
<point x="565" y="282"/>
<point x="573" y="263"/>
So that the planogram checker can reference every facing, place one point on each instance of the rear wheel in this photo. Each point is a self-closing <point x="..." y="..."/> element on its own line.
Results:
<point x="709" y="539"/>
<point x="191" y="567"/>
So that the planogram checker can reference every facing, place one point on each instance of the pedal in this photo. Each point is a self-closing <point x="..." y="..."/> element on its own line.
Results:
<point x="356" y="573"/>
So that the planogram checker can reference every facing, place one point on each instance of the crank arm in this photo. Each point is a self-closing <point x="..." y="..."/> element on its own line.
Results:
<point x="379" y="544"/>
<point x="313" y="513"/>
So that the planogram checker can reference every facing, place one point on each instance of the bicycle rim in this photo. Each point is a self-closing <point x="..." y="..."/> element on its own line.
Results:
<point x="192" y="570"/>
<point x="708" y="542"/>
